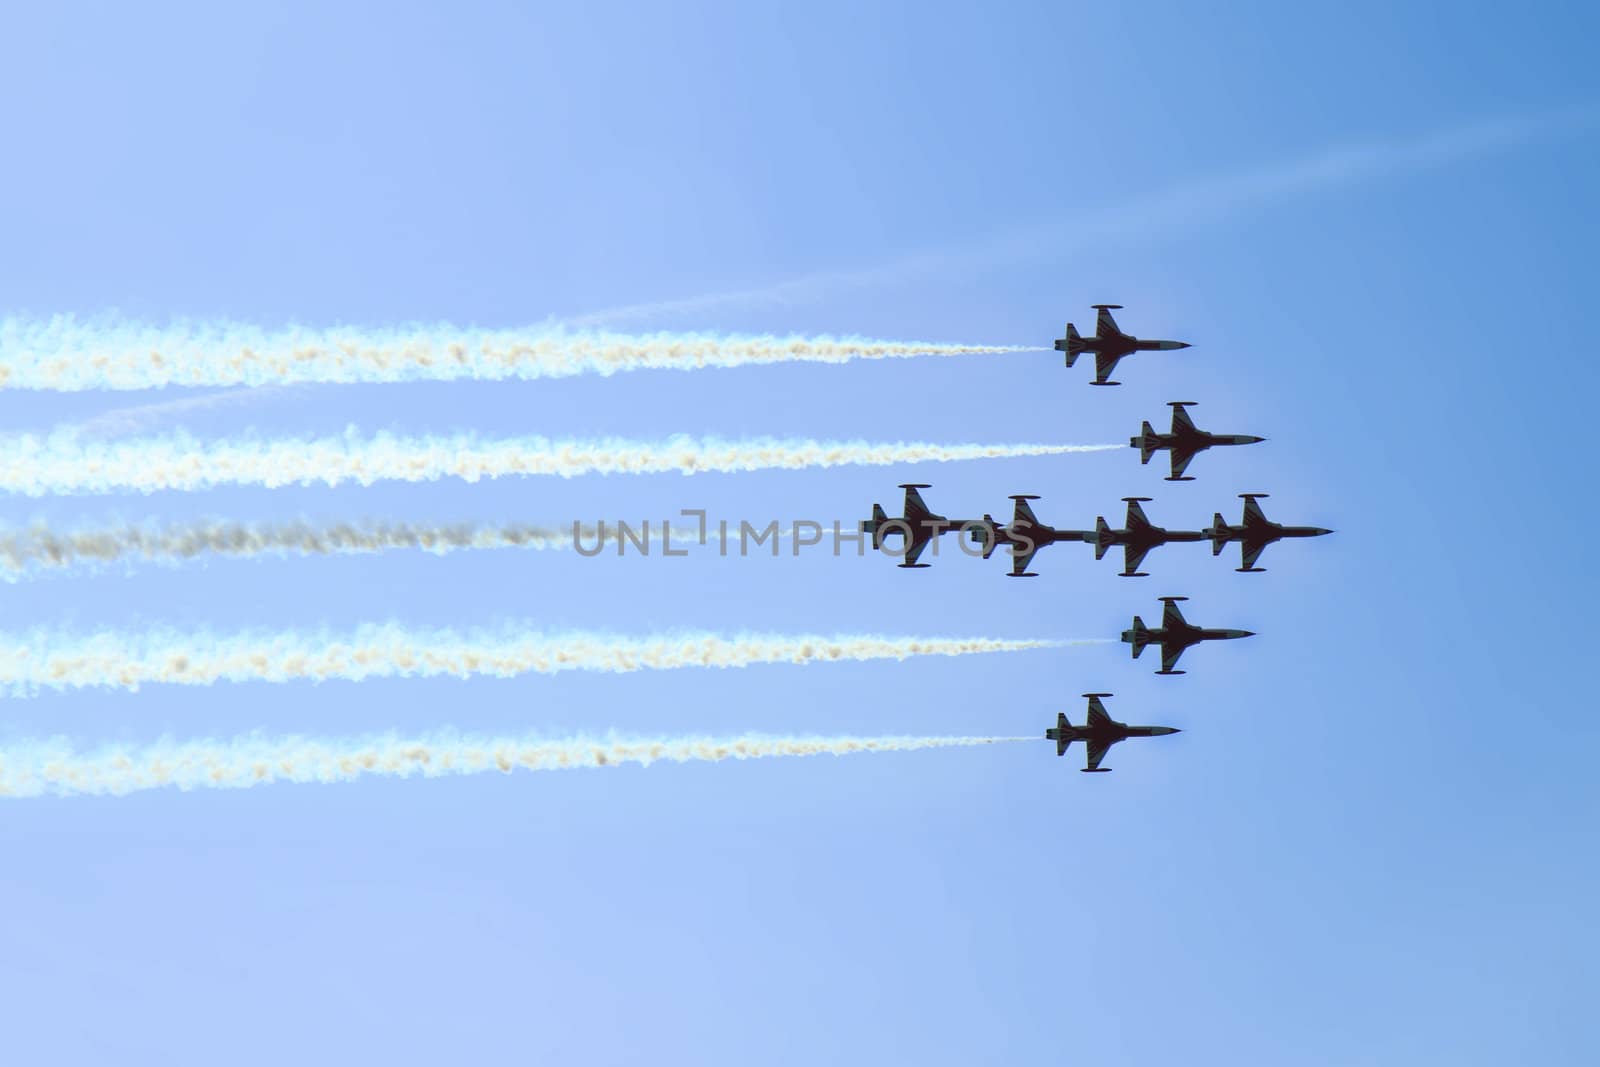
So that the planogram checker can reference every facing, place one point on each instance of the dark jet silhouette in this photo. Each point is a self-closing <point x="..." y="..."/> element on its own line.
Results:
<point x="1109" y="344"/>
<point x="1099" y="734"/>
<point x="1174" y="635"/>
<point x="1137" y="538"/>
<point x="918" y="526"/>
<point x="1025" y="536"/>
<point x="1185" y="442"/>
<point x="1254" y="533"/>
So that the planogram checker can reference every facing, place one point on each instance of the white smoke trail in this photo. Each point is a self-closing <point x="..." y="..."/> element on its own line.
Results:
<point x="37" y="549"/>
<point x="64" y="463"/>
<point x="64" y="353"/>
<point x="53" y="768"/>
<point x="45" y="660"/>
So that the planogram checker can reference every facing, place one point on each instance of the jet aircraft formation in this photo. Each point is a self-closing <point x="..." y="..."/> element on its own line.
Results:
<point x="919" y="527"/>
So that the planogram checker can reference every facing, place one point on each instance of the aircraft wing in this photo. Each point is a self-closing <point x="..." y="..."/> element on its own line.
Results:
<point x="1249" y="552"/>
<point x="1023" y="516"/>
<point x="1170" y="654"/>
<point x="1098" y="715"/>
<point x="1172" y="618"/>
<point x="1253" y="512"/>
<point x="1132" y="556"/>
<point x="1104" y="364"/>
<point x="1136" y="518"/>
<point x="1181" y="421"/>
<point x="1020" y="559"/>
<point x="1097" y="752"/>
<point x="916" y="544"/>
<point x="916" y="507"/>
<point x="1180" y="461"/>
<point x="1106" y="326"/>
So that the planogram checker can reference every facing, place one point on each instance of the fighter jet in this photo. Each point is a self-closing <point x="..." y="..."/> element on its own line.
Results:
<point x="1254" y="533"/>
<point x="919" y="525"/>
<point x="1026" y="535"/>
<point x="1100" y="733"/>
<point x="1184" y="442"/>
<point x="1174" y="635"/>
<point x="1109" y="344"/>
<point x="1137" y="538"/>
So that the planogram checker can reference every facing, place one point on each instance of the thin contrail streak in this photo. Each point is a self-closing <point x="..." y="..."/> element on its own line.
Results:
<point x="37" y="549"/>
<point x="1175" y="209"/>
<point x="67" y="354"/>
<point x="64" y="463"/>
<point x="47" y="660"/>
<point x="53" y="768"/>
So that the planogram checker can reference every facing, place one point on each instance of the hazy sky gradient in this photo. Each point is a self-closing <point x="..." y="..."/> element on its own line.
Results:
<point x="1373" y="842"/>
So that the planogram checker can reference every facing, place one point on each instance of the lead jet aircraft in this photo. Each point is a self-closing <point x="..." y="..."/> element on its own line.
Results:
<point x="1137" y="538"/>
<point x="1109" y="344"/>
<point x="1254" y="533"/>
<point x="1174" y="635"/>
<point x="1184" y="442"/>
<point x="1026" y="535"/>
<point x="1099" y="734"/>
<point x="918" y="526"/>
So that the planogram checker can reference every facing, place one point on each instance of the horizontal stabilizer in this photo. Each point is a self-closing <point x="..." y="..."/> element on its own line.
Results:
<point x="1071" y="344"/>
<point x="1149" y="444"/>
<point x="1138" y="637"/>
<point x="985" y="535"/>
<point x="875" y="525"/>
<point x="1219" y="534"/>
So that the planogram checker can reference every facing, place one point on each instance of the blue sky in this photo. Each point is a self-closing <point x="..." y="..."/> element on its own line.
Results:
<point x="1372" y="843"/>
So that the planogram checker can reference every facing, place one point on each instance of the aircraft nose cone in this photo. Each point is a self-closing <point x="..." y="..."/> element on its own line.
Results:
<point x="1252" y="439"/>
<point x="1320" y="531"/>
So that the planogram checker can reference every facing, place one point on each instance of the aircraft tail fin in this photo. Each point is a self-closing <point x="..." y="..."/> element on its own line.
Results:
<point x="1102" y="537"/>
<point x="1063" y="734"/>
<point x="1139" y="636"/>
<point x="1147" y="442"/>
<point x="1219" y="533"/>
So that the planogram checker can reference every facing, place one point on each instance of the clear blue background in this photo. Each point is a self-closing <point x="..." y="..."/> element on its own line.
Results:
<point x="1374" y="842"/>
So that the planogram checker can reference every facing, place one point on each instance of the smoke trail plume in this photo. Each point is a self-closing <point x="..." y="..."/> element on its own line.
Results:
<point x="67" y="354"/>
<point x="53" y="768"/>
<point x="43" y="660"/>
<point x="38" y="549"/>
<point x="63" y="463"/>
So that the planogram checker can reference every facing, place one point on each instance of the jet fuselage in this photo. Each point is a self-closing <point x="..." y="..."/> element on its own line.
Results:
<point x="1197" y="441"/>
<point x="1152" y="537"/>
<point x="1185" y="637"/>
<point x="1113" y="733"/>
